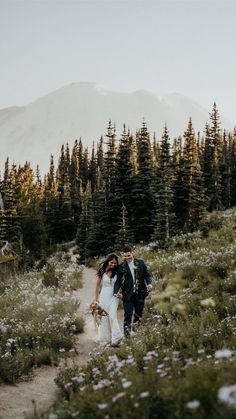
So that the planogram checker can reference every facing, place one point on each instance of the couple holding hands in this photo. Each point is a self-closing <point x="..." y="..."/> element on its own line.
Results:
<point x="130" y="281"/>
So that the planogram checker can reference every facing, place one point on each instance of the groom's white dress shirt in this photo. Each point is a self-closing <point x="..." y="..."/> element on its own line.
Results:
<point x="131" y="267"/>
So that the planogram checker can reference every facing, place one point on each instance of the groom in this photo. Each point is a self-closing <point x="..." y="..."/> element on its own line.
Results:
<point x="135" y="282"/>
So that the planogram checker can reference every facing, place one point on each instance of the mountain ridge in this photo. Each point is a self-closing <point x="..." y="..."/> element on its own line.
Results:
<point x="82" y="110"/>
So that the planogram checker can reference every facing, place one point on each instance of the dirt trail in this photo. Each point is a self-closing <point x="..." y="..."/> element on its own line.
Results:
<point x="16" y="401"/>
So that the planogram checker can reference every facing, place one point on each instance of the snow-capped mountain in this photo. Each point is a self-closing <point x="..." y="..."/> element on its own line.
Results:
<point x="34" y="132"/>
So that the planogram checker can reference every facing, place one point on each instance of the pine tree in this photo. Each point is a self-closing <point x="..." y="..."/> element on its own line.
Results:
<point x="212" y="156"/>
<point x="112" y="201"/>
<point x="232" y="163"/>
<point x="64" y="226"/>
<point x="11" y="213"/>
<point x="193" y="198"/>
<point x="178" y="183"/>
<point x="164" y="219"/>
<point x="125" y="235"/>
<point x="29" y="208"/>
<point x="225" y="172"/>
<point x="125" y="175"/>
<point x="142" y="222"/>
<point x="75" y="183"/>
<point x="92" y="170"/>
<point x="51" y="203"/>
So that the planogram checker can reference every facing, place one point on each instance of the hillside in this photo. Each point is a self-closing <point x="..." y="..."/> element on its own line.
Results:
<point x="181" y="362"/>
<point x="34" y="132"/>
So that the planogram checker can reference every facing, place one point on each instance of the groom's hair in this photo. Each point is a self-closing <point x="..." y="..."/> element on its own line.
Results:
<point x="127" y="248"/>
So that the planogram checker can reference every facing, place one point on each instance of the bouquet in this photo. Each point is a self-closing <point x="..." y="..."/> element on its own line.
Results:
<point x="97" y="312"/>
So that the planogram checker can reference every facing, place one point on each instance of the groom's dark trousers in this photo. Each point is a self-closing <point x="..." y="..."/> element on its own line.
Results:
<point x="133" y="302"/>
<point x="133" y="307"/>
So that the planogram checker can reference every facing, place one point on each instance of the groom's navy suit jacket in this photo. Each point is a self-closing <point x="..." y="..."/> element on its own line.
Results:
<point x="127" y="283"/>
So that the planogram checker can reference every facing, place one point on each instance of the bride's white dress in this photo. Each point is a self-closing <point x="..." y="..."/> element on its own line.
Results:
<point x="109" y="329"/>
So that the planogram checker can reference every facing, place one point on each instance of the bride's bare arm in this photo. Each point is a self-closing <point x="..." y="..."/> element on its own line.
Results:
<point x="97" y="288"/>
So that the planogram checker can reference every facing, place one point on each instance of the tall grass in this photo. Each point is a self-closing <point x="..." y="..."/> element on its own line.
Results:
<point x="181" y="363"/>
<point x="38" y="318"/>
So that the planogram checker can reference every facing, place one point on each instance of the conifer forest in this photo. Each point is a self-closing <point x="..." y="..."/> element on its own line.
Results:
<point x="135" y="189"/>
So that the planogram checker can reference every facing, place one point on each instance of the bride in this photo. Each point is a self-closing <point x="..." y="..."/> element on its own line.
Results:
<point x="108" y="330"/>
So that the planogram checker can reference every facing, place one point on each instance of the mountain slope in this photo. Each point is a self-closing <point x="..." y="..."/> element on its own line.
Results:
<point x="35" y="131"/>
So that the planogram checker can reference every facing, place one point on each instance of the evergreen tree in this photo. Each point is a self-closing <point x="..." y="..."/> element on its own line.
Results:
<point x="75" y="183"/>
<point x="225" y="172"/>
<point x="193" y="208"/>
<point x="85" y="224"/>
<point x="125" y="235"/>
<point x="164" y="194"/>
<point x="142" y="222"/>
<point x="125" y="176"/>
<point x="178" y="183"/>
<point x="51" y="203"/>
<point x="112" y="202"/>
<point x="11" y="212"/>
<point x="92" y="170"/>
<point x="64" y="224"/>
<point x="32" y="221"/>
<point x="212" y="156"/>
<point x="232" y="168"/>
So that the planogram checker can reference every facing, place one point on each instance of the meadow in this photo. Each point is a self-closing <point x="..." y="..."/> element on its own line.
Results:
<point x="38" y="317"/>
<point x="181" y="362"/>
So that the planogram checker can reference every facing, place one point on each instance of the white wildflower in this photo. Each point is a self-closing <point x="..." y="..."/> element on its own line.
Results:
<point x="224" y="353"/>
<point x="52" y="416"/>
<point x="117" y="396"/>
<point x="193" y="404"/>
<point x="227" y="395"/>
<point x="102" y="406"/>
<point x="78" y="379"/>
<point x="144" y="394"/>
<point x="208" y="302"/>
<point x="126" y="384"/>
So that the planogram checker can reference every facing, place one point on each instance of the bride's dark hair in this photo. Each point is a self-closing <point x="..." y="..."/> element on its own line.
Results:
<point x="104" y="264"/>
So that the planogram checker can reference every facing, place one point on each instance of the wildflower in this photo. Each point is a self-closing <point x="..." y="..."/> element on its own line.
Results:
<point x="208" y="302"/>
<point x="144" y="394"/>
<point x="193" y="404"/>
<point x="102" y="406"/>
<point x="67" y="385"/>
<point x="101" y="384"/>
<point x="3" y="329"/>
<point x="227" y="395"/>
<point x="117" y="396"/>
<point x="224" y="353"/>
<point x="75" y="414"/>
<point x="126" y="384"/>
<point x="159" y="366"/>
<point x="79" y="379"/>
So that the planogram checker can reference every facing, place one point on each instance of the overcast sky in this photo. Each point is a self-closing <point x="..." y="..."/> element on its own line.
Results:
<point x="163" y="46"/>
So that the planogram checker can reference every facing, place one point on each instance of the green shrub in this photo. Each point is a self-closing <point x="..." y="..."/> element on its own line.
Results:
<point x="50" y="277"/>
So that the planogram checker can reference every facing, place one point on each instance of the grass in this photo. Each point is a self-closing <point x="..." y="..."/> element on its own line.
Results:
<point x="38" y="318"/>
<point x="183" y="357"/>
